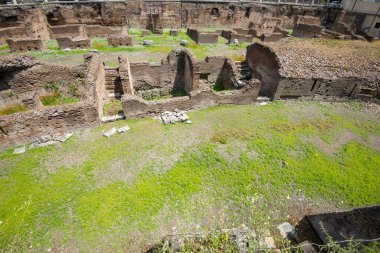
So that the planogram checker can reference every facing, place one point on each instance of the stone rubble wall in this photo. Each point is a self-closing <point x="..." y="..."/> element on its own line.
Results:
<point x="120" y="40"/>
<point x="22" y="127"/>
<point x="32" y="76"/>
<point x="106" y="19"/>
<point x="285" y="77"/>
<point x="134" y="106"/>
<point x="202" y="37"/>
<point x="19" y="128"/>
<point x="176" y="73"/>
<point x="77" y="42"/>
<point x="25" y="45"/>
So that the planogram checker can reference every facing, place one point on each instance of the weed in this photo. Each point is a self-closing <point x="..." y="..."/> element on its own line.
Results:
<point x="219" y="137"/>
<point x="56" y="99"/>
<point x="73" y="89"/>
<point x="52" y="87"/>
<point x="13" y="109"/>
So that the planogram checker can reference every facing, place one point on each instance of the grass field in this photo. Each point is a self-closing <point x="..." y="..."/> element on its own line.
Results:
<point x="253" y="165"/>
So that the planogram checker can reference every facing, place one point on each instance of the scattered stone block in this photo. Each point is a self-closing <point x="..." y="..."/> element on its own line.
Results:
<point x="286" y="230"/>
<point x="110" y="132"/>
<point x="148" y="42"/>
<point x="183" y="43"/>
<point x="112" y="118"/>
<point x="123" y="129"/>
<point x="94" y="51"/>
<point x="176" y="116"/>
<point x="62" y="138"/>
<point x="269" y="242"/>
<point x="19" y="150"/>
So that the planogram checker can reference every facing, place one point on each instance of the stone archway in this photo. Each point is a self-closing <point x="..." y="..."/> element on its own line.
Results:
<point x="265" y="66"/>
<point x="183" y="67"/>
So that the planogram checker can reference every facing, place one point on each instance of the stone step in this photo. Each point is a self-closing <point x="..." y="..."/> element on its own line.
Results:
<point x="111" y="82"/>
<point x="113" y="95"/>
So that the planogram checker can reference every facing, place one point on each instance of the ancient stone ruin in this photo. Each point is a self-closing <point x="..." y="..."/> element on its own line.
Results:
<point x="274" y="68"/>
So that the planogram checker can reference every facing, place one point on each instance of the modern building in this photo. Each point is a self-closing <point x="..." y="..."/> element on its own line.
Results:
<point x="371" y="10"/>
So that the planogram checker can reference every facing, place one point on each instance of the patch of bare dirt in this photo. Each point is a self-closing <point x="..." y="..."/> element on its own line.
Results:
<point x="337" y="142"/>
<point x="374" y="142"/>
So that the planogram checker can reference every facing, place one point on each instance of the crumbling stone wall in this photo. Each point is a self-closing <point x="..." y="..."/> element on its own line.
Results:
<point x="13" y="32"/>
<point x="65" y="31"/>
<point x="265" y="65"/>
<point x="120" y="41"/>
<point x="307" y="27"/>
<point x="134" y="106"/>
<point x="24" y="45"/>
<point x="77" y="42"/>
<point x="237" y="34"/>
<point x="218" y="71"/>
<point x="21" y="127"/>
<point x="202" y="37"/>
<point x="174" y="75"/>
<point x="285" y="72"/>
<point x="18" y="128"/>
<point x="23" y="74"/>
<point x="30" y="24"/>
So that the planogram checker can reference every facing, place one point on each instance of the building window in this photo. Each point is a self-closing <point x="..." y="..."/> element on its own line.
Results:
<point x="377" y="25"/>
<point x="215" y="12"/>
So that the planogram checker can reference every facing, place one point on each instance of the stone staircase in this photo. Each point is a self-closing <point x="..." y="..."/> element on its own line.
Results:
<point x="244" y="70"/>
<point x="113" y="83"/>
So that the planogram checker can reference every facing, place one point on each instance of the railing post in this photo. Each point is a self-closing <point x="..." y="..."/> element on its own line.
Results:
<point x="14" y="1"/>
<point x="312" y="2"/>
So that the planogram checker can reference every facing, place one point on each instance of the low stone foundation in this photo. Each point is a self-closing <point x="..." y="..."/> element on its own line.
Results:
<point x="235" y="35"/>
<point x="202" y="37"/>
<point x="134" y="106"/>
<point x="78" y="42"/>
<point x="21" y="127"/>
<point x="24" y="45"/>
<point x="120" y="41"/>
<point x="307" y="27"/>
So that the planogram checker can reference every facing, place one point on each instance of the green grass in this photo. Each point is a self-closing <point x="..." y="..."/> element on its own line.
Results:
<point x="13" y="109"/>
<point x="56" y="99"/>
<point x="112" y="108"/>
<point x="233" y="165"/>
<point x="4" y="47"/>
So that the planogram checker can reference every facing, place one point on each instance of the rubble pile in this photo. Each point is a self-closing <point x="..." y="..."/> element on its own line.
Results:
<point x="174" y="117"/>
